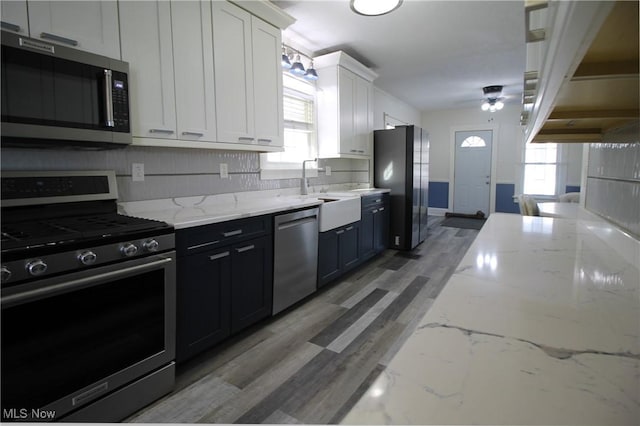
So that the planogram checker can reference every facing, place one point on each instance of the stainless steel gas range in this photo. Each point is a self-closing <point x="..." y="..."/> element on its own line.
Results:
<point x="88" y="301"/>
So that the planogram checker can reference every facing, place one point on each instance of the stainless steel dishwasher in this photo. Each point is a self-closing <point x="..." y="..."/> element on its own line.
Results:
<point x="295" y="259"/>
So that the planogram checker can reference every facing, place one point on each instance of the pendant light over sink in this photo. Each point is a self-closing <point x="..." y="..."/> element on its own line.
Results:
<point x="374" y="7"/>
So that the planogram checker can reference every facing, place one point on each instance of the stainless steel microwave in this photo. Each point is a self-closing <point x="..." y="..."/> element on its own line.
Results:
<point x="57" y="96"/>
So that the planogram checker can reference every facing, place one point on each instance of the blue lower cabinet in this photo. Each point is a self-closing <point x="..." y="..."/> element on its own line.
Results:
<point x="338" y="252"/>
<point x="224" y="282"/>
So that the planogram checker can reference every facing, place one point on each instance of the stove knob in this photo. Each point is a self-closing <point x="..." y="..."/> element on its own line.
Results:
<point x="87" y="257"/>
<point x="129" y="249"/>
<point x="151" y="245"/>
<point x="5" y="274"/>
<point x="36" y="267"/>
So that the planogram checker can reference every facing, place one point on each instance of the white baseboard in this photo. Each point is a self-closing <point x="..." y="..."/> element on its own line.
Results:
<point x="433" y="211"/>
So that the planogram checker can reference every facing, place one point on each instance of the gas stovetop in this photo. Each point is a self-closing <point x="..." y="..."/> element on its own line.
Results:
<point x="61" y="222"/>
<point x="55" y="233"/>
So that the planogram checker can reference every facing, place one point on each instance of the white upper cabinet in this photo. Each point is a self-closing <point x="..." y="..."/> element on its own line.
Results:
<point x="86" y="25"/>
<point x="345" y="107"/>
<point x="234" y="73"/>
<point x="267" y="83"/>
<point x="145" y="28"/>
<point x="193" y="66"/>
<point x="248" y="78"/>
<point x="14" y="17"/>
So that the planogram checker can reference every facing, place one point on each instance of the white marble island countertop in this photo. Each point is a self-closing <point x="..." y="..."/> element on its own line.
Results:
<point x="540" y="324"/>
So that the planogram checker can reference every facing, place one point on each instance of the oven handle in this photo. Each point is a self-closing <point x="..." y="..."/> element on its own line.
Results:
<point x="65" y="287"/>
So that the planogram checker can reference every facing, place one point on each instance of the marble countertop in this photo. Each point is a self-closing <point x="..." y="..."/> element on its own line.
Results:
<point x="539" y="324"/>
<point x="564" y="210"/>
<point x="186" y="212"/>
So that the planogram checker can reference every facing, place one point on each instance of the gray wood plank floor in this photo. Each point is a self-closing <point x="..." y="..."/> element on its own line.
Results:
<point x="311" y="363"/>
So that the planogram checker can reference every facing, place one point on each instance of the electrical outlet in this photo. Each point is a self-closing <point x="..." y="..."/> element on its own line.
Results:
<point x="327" y="170"/>
<point x="224" y="171"/>
<point x="137" y="172"/>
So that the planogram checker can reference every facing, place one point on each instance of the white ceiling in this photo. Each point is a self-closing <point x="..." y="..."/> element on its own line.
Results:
<point x="432" y="54"/>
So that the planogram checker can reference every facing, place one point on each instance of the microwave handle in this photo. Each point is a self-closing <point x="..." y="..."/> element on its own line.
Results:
<point x="108" y="96"/>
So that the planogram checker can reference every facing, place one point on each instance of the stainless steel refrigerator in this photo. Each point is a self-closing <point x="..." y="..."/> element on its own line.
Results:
<point x="401" y="163"/>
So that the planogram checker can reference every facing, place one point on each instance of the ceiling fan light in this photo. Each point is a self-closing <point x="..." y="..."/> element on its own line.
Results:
<point x="374" y="7"/>
<point x="499" y="105"/>
<point x="485" y="106"/>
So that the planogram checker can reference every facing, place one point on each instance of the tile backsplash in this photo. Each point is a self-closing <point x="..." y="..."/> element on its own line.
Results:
<point x="176" y="172"/>
<point x="613" y="178"/>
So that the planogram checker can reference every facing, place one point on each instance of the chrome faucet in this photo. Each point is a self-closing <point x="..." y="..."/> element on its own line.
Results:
<point x="304" y="186"/>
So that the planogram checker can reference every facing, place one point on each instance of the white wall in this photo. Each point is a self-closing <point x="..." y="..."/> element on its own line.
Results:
<point x="384" y="103"/>
<point x="507" y="138"/>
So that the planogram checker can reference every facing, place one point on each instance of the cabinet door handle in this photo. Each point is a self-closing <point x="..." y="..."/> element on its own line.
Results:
<point x="210" y="243"/>
<point x="232" y="233"/>
<point x="49" y="36"/>
<point x="264" y="140"/>
<point x="166" y="131"/>
<point x="340" y="232"/>
<point x="9" y="26"/>
<point x="374" y="211"/>
<point x="245" y="248"/>
<point x="199" y="134"/>
<point x="381" y="208"/>
<point x="219" y="255"/>
<point x="354" y="150"/>
<point x="349" y="228"/>
<point x="378" y="200"/>
<point x="245" y="138"/>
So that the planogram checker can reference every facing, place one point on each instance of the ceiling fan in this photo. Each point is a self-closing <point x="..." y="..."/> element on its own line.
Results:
<point x="493" y="98"/>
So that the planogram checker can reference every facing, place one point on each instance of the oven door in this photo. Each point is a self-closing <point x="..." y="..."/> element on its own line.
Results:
<point x="70" y="340"/>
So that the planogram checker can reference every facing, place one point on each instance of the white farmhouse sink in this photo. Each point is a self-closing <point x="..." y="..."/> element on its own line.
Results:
<point x="336" y="211"/>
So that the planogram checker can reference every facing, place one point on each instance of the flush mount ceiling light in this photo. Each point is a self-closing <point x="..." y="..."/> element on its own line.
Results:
<point x="493" y="101"/>
<point x="374" y="7"/>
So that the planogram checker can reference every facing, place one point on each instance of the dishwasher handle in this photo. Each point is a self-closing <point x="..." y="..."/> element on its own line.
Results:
<point x="288" y="220"/>
<point x="296" y="222"/>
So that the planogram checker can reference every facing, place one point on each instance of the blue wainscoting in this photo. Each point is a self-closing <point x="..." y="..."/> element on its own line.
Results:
<point x="439" y="195"/>
<point x="504" y="198"/>
<point x="571" y="188"/>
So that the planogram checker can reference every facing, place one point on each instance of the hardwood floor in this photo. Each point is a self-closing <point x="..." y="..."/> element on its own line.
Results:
<point x="311" y="363"/>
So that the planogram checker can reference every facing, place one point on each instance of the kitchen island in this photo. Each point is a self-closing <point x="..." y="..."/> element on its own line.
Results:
<point x="540" y="324"/>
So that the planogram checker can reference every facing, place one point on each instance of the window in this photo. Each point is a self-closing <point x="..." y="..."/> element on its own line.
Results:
<point x="541" y="168"/>
<point x="473" y="142"/>
<point x="299" y="132"/>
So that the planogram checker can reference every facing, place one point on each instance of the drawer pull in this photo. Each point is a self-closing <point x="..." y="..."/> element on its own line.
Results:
<point x="374" y="211"/>
<point x="49" y="36"/>
<point x="264" y="140"/>
<point x="232" y="233"/>
<point x="378" y="200"/>
<point x="219" y="256"/>
<point x="245" y="248"/>
<point x="165" y="131"/>
<point x="349" y="228"/>
<point x="197" y="246"/>
<point x="199" y="134"/>
<point x="245" y="138"/>
<point x="340" y="232"/>
<point x="381" y="208"/>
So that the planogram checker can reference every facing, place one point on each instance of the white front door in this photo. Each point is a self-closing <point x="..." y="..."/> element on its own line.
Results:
<point x="472" y="172"/>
